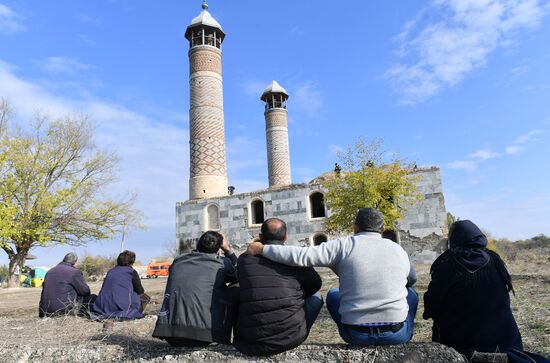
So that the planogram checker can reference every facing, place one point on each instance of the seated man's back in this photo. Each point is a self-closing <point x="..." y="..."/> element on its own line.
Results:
<point x="374" y="304"/>
<point x="64" y="289"/>
<point x="276" y="306"/>
<point x="197" y="307"/>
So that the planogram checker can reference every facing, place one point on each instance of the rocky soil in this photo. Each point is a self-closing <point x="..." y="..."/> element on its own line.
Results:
<point x="26" y="338"/>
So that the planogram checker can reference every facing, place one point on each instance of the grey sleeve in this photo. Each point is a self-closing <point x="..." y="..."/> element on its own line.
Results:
<point x="326" y="254"/>
<point x="411" y="279"/>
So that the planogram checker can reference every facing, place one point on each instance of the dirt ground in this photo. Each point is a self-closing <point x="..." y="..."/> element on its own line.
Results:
<point x="20" y="326"/>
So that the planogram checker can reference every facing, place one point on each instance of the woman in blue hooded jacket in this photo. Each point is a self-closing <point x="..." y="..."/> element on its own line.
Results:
<point x="468" y="298"/>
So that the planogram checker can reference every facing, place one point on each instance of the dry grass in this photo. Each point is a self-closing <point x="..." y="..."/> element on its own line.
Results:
<point x="21" y="327"/>
<point x="531" y="305"/>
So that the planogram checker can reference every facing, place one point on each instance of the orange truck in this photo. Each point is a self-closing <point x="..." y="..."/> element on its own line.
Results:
<point x="156" y="269"/>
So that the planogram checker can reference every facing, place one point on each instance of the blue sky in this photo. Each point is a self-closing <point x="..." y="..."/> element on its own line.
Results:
<point x="462" y="84"/>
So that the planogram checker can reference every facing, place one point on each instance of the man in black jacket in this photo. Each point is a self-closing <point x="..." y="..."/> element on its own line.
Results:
<point x="199" y="308"/>
<point x="64" y="290"/>
<point x="278" y="304"/>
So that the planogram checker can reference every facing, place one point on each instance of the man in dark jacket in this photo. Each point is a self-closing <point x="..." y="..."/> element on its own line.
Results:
<point x="278" y="303"/>
<point x="64" y="290"/>
<point x="198" y="307"/>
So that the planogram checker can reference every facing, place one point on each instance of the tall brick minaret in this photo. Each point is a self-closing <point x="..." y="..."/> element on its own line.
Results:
<point x="276" y="130"/>
<point x="208" y="174"/>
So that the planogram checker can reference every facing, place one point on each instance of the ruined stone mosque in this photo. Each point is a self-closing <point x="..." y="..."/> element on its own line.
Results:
<point x="212" y="204"/>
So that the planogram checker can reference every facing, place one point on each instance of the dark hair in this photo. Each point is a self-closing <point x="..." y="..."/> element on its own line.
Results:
<point x="273" y="229"/>
<point x="210" y="242"/>
<point x="369" y="220"/>
<point x="389" y="234"/>
<point x="126" y="258"/>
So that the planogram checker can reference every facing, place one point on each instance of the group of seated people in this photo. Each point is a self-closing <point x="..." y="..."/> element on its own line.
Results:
<point x="121" y="297"/>
<point x="266" y="300"/>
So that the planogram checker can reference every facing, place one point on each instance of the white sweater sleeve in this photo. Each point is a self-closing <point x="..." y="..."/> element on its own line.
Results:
<point x="327" y="254"/>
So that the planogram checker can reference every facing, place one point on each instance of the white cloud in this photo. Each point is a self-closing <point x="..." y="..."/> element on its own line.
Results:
<point x="522" y="142"/>
<point x="528" y="213"/>
<point x="86" y="39"/>
<point x="468" y="165"/>
<point x="154" y="154"/>
<point x="247" y="156"/>
<point x="306" y="97"/>
<point x="514" y="149"/>
<point x="253" y="87"/>
<point x="443" y="51"/>
<point x="9" y="20"/>
<point x="519" y="70"/>
<point x="65" y="65"/>
<point x="304" y="174"/>
<point x="87" y="19"/>
<point x="296" y="30"/>
<point x="335" y="149"/>
<point x="483" y="154"/>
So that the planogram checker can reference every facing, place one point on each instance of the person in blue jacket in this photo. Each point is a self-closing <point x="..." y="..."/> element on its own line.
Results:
<point x="468" y="298"/>
<point x="122" y="296"/>
<point x="64" y="290"/>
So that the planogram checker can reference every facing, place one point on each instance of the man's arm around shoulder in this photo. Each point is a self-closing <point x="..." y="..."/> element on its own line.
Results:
<point x="327" y="254"/>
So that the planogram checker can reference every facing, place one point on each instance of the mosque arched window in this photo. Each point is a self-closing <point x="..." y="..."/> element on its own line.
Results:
<point x="319" y="238"/>
<point x="317" y="205"/>
<point x="257" y="211"/>
<point x="212" y="217"/>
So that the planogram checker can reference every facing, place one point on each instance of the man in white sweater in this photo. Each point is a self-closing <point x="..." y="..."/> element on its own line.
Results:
<point x="375" y="304"/>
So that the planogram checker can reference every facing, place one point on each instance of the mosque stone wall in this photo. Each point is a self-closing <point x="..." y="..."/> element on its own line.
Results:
<point x="422" y="232"/>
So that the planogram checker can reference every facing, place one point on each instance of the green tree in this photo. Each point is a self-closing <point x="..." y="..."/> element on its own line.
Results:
<point x="96" y="265"/>
<point x="366" y="180"/>
<point x="450" y="220"/>
<point x="53" y="180"/>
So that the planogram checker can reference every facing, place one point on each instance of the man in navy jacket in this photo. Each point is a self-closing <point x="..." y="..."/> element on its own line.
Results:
<point x="64" y="290"/>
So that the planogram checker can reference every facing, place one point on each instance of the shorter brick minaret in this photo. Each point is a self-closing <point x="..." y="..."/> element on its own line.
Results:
<point x="276" y="130"/>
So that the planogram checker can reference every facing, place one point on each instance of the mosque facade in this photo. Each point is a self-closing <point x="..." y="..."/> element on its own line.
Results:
<point x="212" y="204"/>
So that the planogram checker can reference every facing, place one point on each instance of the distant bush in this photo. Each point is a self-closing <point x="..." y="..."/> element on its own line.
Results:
<point x="540" y="241"/>
<point x="511" y="249"/>
<point x="492" y="245"/>
<point x="94" y="267"/>
<point x="3" y="273"/>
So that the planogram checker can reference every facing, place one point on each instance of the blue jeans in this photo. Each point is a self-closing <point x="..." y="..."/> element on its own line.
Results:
<point x="312" y="307"/>
<point x="372" y="335"/>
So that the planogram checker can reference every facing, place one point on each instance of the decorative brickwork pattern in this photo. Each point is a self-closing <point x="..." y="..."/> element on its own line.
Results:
<point x="207" y="157"/>
<point x="207" y="124"/>
<point x="205" y="60"/>
<point x="208" y="174"/>
<point x="277" y="118"/>
<point x="206" y="91"/>
<point x="278" y="152"/>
